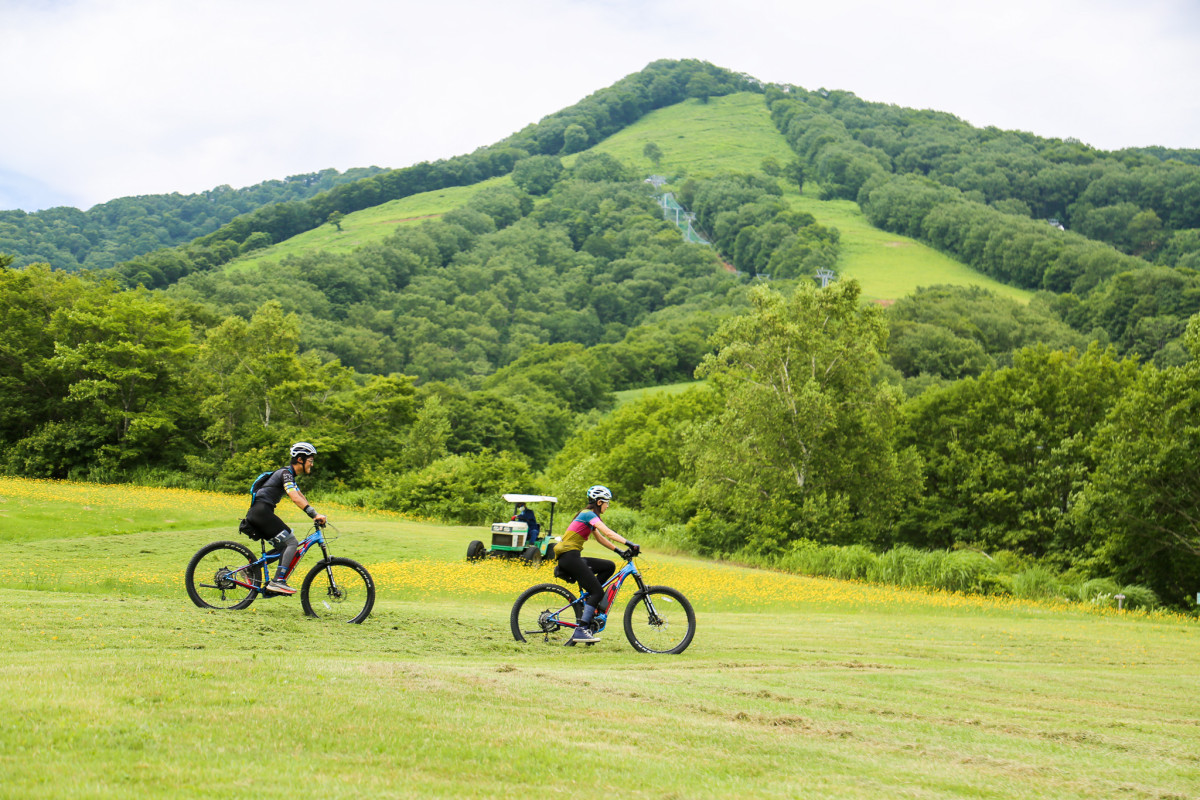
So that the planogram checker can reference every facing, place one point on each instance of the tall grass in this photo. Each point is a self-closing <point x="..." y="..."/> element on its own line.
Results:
<point x="960" y="571"/>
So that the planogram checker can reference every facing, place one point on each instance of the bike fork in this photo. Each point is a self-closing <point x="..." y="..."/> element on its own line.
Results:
<point x="333" y="587"/>
<point x="645" y="596"/>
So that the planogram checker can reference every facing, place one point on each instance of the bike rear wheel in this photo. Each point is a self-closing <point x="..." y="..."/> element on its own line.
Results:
<point x="340" y="590"/>
<point x="660" y="620"/>
<point x="536" y="613"/>
<point x="216" y="574"/>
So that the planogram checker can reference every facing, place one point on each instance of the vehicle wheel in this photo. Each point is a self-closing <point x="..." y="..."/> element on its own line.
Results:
<point x="531" y="556"/>
<point x="548" y="556"/>
<point x="223" y="575"/>
<point x="476" y="551"/>
<point x="536" y="613"/>
<point x="660" y="621"/>
<point x="338" y="589"/>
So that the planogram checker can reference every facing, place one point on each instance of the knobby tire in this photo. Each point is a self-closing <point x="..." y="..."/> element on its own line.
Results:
<point x="349" y="598"/>
<point x="211" y="573"/>
<point x="533" y="615"/>
<point x="669" y="630"/>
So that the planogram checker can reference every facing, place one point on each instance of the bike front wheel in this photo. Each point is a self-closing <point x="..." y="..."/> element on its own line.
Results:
<point x="660" y="620"/>
<point x="536" y="614"/>
<point x="223" y="575"/>
<point x="338" y="589"/>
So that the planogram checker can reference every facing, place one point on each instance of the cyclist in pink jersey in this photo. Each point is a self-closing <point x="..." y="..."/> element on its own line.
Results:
<point x="589" y="573"/>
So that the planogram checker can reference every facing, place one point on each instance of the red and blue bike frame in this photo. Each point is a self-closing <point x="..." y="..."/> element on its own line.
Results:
<point x="243" y="576"/>
<point x="609" y="590"/>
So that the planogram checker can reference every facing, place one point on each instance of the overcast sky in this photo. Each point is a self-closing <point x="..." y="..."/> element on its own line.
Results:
<point x="108" y="98"/>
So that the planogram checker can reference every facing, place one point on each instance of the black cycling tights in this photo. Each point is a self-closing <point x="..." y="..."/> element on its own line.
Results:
<point x="589" y="573"/>
<point x="277" y="533"/>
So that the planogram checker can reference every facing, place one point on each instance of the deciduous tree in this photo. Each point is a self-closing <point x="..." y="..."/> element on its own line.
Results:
<point x="804" y="444"/>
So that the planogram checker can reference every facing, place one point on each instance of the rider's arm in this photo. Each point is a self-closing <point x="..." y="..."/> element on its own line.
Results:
<point x="603" y="533"/>
<point x="294" y="492"/>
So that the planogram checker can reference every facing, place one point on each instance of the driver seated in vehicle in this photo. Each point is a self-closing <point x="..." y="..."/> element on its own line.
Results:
<point x="525" y="514"/>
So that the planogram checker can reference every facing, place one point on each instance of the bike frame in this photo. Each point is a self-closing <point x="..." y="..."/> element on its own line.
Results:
<point x="240" y="577"/>
<point x="609" y="590"/>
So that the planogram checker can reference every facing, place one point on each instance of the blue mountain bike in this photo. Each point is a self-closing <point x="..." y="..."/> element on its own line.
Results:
<point x="226" y="575"/>
<point x="658" y="620"/>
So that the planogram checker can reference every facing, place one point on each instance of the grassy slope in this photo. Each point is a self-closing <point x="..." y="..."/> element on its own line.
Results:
<point x="366" y="226"/>
<point x="889" y="266"/>
<point x="116" y="686"/>
<point x="735" y="133"/>
<point x="630" y="395"/>
<point x="698" y="140"/>
<point x="726" y="134"/>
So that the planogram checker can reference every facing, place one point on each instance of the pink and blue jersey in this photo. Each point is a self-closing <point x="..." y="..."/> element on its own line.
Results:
<point x="578" y="531"/>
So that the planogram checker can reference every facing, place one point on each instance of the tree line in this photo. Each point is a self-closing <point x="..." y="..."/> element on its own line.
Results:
<point x="1076" y="459"/>
<point x="1113" y="239"/>
<point x="483" y="337"/>
<point x="119" y="230"/>
<point x="456" y="298"/>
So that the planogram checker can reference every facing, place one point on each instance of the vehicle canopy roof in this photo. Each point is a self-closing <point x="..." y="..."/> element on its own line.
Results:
<point x="529" y="498"/>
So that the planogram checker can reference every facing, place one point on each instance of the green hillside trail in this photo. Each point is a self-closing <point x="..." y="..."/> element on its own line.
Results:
<point x="735" y="134"/>
<point x="696" y="140"/>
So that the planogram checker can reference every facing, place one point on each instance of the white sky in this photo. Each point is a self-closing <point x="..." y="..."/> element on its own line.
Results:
<point x="102" y="99"/>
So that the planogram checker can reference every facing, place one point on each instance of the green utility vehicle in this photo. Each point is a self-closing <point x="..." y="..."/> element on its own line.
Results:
<point x="522" y="536"/>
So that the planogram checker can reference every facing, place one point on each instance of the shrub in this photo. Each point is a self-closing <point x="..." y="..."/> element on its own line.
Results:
<point x="996" y="585"/>
<point x="900" y="566"/>
<point x="965" y="571"/>
<point x="1092" y="591"/>
<point x="852" y="563"/>
<point x="1036" y="583"/>
<point x="668" y="538"/>
<point x="806" y="557"/>
<point x="710" y="534"/>
<point x="465" y="489"/>
<point x="1139" y="597"/>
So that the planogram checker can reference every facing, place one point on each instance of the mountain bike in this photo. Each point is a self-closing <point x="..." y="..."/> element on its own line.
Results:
<point x="226" y="575"/>
<point x="658" y="620"/>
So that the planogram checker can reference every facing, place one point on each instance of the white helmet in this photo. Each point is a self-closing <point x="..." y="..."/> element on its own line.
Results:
<point x="598" y="492"/>
<point x="303" y="450"/>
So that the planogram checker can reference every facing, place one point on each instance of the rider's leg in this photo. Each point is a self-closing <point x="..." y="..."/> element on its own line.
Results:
<point x="286" y="543"/>
<point x="578" y="568"/>
<point x="603" y="569"/>
<point x="278" y="536"/>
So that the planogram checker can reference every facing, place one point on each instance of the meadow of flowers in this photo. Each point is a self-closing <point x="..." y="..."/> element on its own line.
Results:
<point x="130" y="556"/>
<point x="708" y="585"/>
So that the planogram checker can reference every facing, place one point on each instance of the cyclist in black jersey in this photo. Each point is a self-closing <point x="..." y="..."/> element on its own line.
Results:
<point x="262" y="511"/>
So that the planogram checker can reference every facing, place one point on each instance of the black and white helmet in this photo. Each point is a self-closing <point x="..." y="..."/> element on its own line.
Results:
<point x="303" y="450"/>
<point x="598" y="492"/>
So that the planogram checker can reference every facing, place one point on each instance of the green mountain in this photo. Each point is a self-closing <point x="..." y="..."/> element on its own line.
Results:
<point x="733" y="133"/>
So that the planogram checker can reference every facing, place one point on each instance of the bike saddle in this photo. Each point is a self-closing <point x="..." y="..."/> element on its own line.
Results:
<point x="561" y="575"/>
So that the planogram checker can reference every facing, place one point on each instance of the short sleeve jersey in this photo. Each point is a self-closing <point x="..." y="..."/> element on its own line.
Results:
<point x="578" y="531"/>
<point x="275" y="487"/>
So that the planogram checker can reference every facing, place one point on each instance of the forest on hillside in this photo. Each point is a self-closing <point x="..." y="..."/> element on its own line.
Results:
<point x="1113" y="239"/>
<point x="479" y="352"/>
<point x="115" y="232"/>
